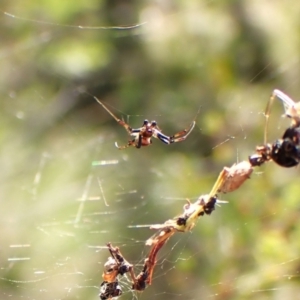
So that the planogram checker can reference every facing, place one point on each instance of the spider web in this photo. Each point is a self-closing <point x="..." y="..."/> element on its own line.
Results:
<point x="66" y="190"/>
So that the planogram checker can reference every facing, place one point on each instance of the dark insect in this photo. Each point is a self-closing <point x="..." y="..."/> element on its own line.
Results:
<point x="142" y="136"/>
<point x="109" y="290"/>
<point x="285" y="151"/>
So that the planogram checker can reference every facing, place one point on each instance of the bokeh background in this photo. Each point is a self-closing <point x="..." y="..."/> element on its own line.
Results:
<point x="66" y="190"/>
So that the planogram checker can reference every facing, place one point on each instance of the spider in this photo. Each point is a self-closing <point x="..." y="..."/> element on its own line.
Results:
<point x="109" y="290"/>
<point x="143" y="135"/>
<point x="285" y="151"/>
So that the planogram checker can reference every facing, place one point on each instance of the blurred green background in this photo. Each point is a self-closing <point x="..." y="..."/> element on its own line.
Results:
<point x="59" y="165"/>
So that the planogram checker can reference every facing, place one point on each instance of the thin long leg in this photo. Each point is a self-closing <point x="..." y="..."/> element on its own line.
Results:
<point x="182" y="135"/>
<point x="130" y="143"/>
<point x="121" y="122"/>
<point x="288" y="103"/>
<point x="289" y="108"/>
<point x="177" y="137"/>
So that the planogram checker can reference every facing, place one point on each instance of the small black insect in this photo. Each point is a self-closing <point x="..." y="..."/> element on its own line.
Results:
<point x="285" y="151"/>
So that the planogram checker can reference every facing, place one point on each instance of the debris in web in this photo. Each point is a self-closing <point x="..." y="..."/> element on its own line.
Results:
<point x="284" y="151"/>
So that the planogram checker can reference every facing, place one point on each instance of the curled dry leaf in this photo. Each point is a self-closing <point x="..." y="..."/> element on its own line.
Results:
<point x="235" y="176"/>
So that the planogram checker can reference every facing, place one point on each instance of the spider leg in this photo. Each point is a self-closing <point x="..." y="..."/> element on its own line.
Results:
<point x="121" y="122"/>
<point x="182" y="135"/>
<point x="164" y="138"/>
<point x="288" y="103"/>
<point x="139" y="143"/>
<point x="177" y="137"/>
<point x="130" y="143"/>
